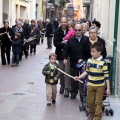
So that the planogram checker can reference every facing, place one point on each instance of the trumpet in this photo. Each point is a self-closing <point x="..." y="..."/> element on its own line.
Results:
<point x="30" y="39"/>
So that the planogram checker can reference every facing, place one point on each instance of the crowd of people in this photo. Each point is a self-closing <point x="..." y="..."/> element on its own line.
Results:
<point x="77" y="41"/>
<point x="23" y="37"/>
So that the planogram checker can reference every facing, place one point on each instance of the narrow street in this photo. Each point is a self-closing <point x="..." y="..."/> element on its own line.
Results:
<point x="22" y="93"/>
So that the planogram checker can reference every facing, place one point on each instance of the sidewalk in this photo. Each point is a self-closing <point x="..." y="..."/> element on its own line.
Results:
<point x="22" y="93"/>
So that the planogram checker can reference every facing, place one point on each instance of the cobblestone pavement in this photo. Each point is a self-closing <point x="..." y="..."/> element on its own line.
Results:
<point x="22" y="93"/>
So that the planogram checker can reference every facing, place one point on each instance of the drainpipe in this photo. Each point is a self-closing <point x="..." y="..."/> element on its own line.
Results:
<point x="115" y="45"/>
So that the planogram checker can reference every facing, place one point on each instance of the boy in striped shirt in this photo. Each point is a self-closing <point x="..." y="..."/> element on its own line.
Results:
<point x="98" y="76"/>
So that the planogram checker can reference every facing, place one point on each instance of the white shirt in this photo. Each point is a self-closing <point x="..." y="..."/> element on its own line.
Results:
<point x="79" y="38"/>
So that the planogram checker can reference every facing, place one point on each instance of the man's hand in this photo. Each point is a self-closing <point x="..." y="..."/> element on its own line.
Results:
<point x="1" y="34"/>
<point x="65" y="61"/>
<point x="80" y="60"/>
<point x="76" y="78"/>
<point x="55" y="79"/>
<point x="108" y="92"/>
<point x="48" y="72"/>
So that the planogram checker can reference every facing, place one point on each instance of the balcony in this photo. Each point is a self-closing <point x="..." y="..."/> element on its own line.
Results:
<point x="86" y="2"/>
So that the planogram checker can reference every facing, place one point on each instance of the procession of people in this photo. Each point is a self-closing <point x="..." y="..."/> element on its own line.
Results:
<point x="75" y="41"/>
<point x="29" y="35"/>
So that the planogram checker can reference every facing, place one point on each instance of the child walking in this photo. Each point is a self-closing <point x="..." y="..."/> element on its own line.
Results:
<point x="71" y="32"/>
<point x="16" y="49"/>
<point x="51" y="79"/>
<point x="98" y="76"/>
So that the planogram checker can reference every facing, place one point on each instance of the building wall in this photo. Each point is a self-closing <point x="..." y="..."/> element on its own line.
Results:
<point x="1" y="13"/>
<point x="32" y="10"/>
<point x="104" y="11"/>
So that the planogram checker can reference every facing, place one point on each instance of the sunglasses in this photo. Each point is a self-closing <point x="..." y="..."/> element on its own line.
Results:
<point x="77" y="30"/>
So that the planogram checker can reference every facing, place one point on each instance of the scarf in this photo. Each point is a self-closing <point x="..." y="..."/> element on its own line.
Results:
<point x="93" y="41"/>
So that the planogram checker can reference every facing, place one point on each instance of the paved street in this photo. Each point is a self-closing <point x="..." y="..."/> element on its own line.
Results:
<point x="22" y="93"/>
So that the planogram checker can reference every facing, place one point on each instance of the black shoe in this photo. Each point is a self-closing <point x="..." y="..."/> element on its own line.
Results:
<point x="73" y="96"/>
<point x="66" y="94"/>
<point x="61" y="90"/>
<point x="34" y="53"/>
<point x="53" y="101"/>
<point x="48" y="104"/>
<point x="47" y="48"/>
<point x="3" y="63"/>
<point x="26" y="57"/>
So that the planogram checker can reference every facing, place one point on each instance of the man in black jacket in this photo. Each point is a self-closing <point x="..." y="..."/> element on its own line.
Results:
<point x="6" y="42"/>
<point x="49" y="33"/>
<point x="58" y="38"/>
<point x="74" y="48"/>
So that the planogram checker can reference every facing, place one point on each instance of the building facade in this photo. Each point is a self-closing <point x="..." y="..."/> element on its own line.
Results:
<point x="78" y="8"/>
<point x="12" y="9"/>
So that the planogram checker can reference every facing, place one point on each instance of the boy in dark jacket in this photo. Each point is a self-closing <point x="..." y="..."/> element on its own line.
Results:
<point x="51" y="78"/>
<point x="16" y="49"/>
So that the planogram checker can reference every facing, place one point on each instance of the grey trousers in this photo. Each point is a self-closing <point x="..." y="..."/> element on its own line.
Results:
<point x="65" y="81"/>
<point x="49" y="42"/>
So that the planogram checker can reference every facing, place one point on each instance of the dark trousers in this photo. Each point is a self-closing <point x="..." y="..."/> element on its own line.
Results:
<point x="25" y="50"/>
<point x="32" y="48"/>
<point x="49" y="42"/>
<point x="5" y="49"/>
<point x="42" y="39"/>
<point x="21" y="53"/>
<point x="15" y="58"/>
<point x="74" y="84"/>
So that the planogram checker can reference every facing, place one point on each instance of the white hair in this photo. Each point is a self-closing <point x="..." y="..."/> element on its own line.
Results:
<point x="93" y="28"/>
<point x="47" y="20"/>
<point x="19" y="23"/>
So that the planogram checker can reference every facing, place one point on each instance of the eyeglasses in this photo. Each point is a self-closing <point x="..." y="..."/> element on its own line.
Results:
<point x="92" y="32"/>
<point x="77" y="30"/>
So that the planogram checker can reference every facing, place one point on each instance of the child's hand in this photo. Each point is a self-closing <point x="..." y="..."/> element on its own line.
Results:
<point x="76" y="78"/>
<point x="48" y="72"/>
<point x="55" y="78"/>
<point x="108" y="92"/>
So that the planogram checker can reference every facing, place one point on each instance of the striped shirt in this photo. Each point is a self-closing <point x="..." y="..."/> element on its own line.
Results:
<point x="52" y="67"/>
<point x="97" y="70"/>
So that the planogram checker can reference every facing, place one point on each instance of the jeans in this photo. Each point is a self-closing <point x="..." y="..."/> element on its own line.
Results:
<point x="15" y="58"/>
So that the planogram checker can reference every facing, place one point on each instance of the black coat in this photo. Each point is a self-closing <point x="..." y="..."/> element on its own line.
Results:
<point x="4" y="38"/>
<point x="49" y="30"/>
<point x="16" y="45"/>
<point x="34" y="32"/>
<point x="58" y="38"/>
<point x="56" y="24"/>
<point x="87" y="45"/>
<point x="74" y="49"/>
<point x="26" y="28"/>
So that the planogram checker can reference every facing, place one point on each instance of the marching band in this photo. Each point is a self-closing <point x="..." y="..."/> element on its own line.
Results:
<point x="30" y="37"/>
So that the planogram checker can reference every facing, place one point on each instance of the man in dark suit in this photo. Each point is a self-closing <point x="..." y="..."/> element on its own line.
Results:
<point x="6" y="41"/>
<point x="74" y="48"/>
<point x="49" y="33"/>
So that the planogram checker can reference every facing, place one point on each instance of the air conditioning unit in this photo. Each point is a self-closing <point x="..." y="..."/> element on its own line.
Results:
<point x="86" y="2"/>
